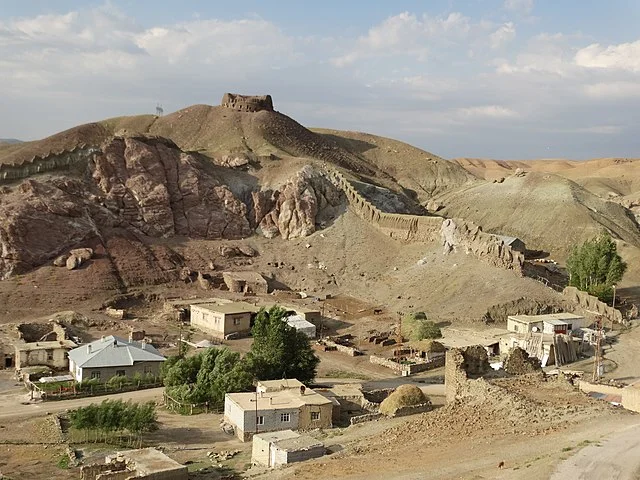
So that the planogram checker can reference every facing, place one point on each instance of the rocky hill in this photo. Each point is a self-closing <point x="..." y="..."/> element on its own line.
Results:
<point x="143" y="191"/>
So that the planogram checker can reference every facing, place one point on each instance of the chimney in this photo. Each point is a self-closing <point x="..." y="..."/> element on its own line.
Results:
<point x="143" y="344"/>
<point x="89" y="348"/>
<point x="131" y="336"/>
<point x="302" y="389"/>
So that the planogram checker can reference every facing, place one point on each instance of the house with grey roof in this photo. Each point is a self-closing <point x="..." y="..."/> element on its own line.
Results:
<point x="113" y="356"/>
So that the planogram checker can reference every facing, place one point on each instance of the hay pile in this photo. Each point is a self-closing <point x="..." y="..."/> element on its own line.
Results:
<point x="403" y="396"/>
<point x="518" y="362"/>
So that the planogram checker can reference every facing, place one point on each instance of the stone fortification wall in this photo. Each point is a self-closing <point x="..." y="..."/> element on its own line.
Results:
<point x="462" y="365"/>
<point x="592" y="304"/>
<point x="454" y="233"/>
<point x="79" y="155"/>
<point x="409" y="228"/>
<point x="247" y="103"/>
<point x="458" y="233"/>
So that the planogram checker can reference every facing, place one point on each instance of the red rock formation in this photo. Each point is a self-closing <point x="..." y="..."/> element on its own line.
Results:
<point x="138" y="185"/>
<point x="293" y="210"/>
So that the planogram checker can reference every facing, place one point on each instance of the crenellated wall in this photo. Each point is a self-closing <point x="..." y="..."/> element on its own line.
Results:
<point x="409" y="228"/>
<point x="454" y="234"/>
<point x="53" y="161"/>
<point x="592" y="304"/>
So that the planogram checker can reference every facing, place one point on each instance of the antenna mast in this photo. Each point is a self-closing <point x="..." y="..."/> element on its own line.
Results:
<point x="159" y="110"/>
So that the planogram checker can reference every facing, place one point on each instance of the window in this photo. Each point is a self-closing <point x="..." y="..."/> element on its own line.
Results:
<point x="315" y="416"/>
<point x="50" y="355"/>
<point x="95" y="375"/>
<point x="236" y="321"/>
<point x="285" y="417"/>
<point x="147" y="369"/>
<point x="120" y="373"/>
<point x="260" y="420"/>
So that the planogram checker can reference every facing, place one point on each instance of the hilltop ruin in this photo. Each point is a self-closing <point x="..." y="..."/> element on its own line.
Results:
<point x="247" y="103"/>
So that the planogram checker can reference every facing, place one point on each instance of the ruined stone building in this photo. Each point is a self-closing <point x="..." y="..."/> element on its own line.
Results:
<point x="245" y="282"/>
<point x="247" y="103"/>
<point x="146" y="463"/>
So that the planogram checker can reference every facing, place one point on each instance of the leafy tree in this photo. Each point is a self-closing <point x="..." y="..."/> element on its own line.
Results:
<point x="419" y="327"/>
<point x="595" y="266"/>
<point x="219" y="371"/>
<point x="279" y="350"/>
<point x="115" y="416"/>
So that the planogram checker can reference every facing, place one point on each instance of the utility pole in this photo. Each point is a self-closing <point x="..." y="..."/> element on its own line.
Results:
<point x="613" y="306"/>
<point x="597" y="364"/>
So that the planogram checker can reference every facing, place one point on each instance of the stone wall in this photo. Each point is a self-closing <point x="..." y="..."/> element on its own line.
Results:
<point x="454" y="234"/>
<point x="592" y="304"/>
<point x="409" y="228"/>
<point x="461" y="234"/>
<point x="367" y="417"/>
<point x="461" y="365"/>
<point x="247" y="103"/>
<point x="79" y="155"/>
<point x="406" y="368"/>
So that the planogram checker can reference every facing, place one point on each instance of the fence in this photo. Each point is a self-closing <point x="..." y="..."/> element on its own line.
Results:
<point x="67" y="390"/>
<point x="184" y="408"/>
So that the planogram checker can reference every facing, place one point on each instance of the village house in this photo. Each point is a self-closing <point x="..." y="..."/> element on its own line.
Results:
<point x="277" y="405"/>
<point x="113" y="356"/>
<point x="553" y="323"/>
<point x="274" y="449"/>
<point x="245" y="282"/>
<point x="230" y="320"/>
<point x="52" y="354"/>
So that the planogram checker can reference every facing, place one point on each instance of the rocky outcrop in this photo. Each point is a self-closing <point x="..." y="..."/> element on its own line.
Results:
<point x="39" y="221"/>
<point x="137" y="186"/>
<point x="293" y="210"/>
<point x="162" y="192"/>
<point x="460" y="234"/>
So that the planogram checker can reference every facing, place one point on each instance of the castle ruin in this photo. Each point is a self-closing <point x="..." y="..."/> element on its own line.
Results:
<point x="247" y="103"/>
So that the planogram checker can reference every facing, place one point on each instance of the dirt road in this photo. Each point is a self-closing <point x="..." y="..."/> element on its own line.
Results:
<point x="616" y="458"/>
<point x="11" y="407"/>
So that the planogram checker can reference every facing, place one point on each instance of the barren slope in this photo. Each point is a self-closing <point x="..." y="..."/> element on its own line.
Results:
<point x="547" y="211"/>
<point x="417" y="170"/>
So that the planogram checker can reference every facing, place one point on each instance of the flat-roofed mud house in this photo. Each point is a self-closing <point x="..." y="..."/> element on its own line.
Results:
<point x="274" y="449"/>
<point x="277" y="405"/>
<point x="231" y="320"/>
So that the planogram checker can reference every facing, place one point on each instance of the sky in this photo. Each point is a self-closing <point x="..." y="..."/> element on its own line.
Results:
<point x="506" y="79"/>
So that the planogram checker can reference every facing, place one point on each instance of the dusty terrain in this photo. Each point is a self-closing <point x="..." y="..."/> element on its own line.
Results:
<point x="168" y="196"/>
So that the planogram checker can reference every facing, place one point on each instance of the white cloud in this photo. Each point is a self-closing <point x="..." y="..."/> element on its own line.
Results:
<point x="519" y="6"/>
<point x="490" y="111"/>
<point x="625" y="56"/>
<point x="502" y="35"/>
<point x="406" y="34"/>
<point x="613" y="90"/>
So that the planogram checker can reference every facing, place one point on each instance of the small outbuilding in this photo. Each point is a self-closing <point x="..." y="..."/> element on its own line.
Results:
<point x="53" y="354"/>
<point x="274" y="449"/>
<point x="514" y="242"/>
<point x="145" y="463"/>
<point x="299" y="323"/>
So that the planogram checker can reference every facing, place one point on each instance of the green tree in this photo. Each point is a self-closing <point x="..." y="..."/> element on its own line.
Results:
<point x="419" y="327"/>
<point x="279" y="350"/>
<point x="595" y="266"/>
<point x="219" y="371"/>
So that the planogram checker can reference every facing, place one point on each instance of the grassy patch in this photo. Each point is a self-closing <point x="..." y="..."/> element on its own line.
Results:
<point x="567" y="449"/>
<point x="346" y="374"/>
<point x="63" y="462"/>
<point x="584" y="443"/>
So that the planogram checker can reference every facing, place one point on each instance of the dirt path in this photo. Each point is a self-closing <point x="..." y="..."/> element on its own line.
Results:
<point x="616" y="458"/>
<point x="11" y="406"/>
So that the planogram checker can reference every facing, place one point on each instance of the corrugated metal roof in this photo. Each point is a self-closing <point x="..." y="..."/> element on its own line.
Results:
<point x="114" y="351"/>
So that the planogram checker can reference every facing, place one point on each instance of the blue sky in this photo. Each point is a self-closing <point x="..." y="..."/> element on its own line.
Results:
<point x="476" y="78"/>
